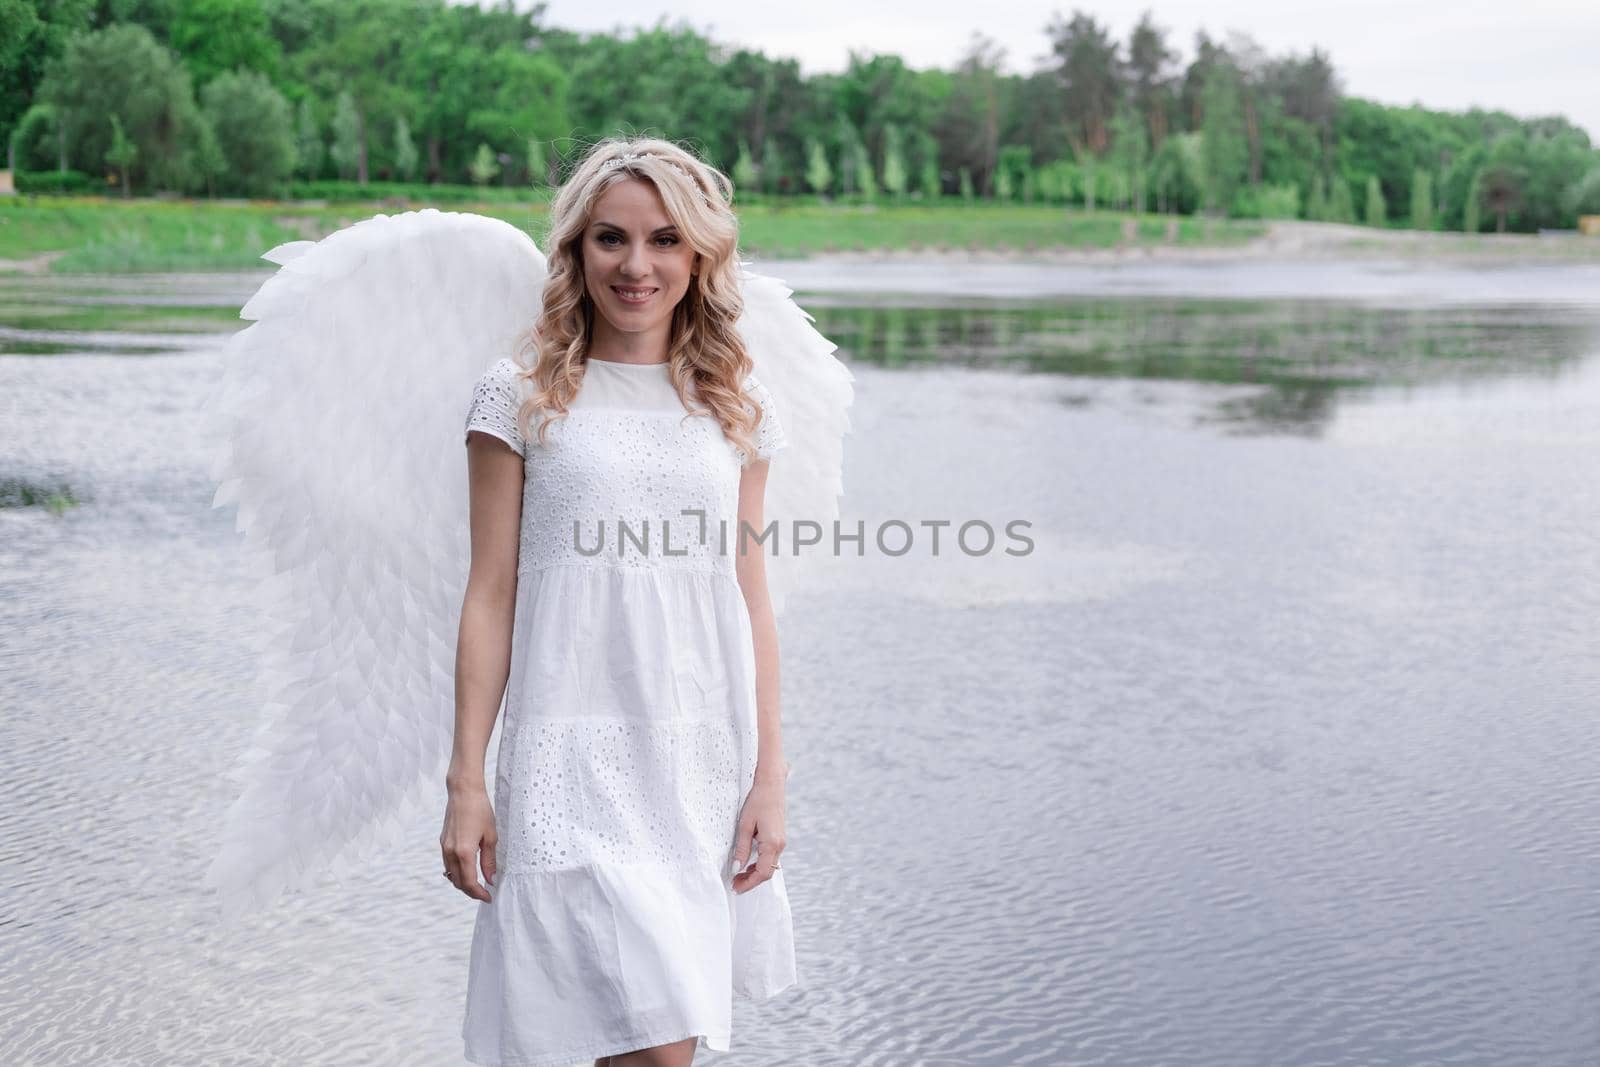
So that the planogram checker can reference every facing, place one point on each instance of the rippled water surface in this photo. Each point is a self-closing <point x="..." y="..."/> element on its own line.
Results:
<point x="1278" y="748"/>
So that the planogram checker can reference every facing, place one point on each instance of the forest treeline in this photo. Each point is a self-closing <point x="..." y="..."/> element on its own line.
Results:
<point x="279" y="97"/>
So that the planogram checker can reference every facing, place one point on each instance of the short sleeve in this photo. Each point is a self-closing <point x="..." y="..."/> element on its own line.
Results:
<point x="769" y="435"/>
<point x="494" y="405"/>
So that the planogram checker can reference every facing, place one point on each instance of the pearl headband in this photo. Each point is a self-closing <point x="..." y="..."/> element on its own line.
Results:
<point x="632" y="157"/>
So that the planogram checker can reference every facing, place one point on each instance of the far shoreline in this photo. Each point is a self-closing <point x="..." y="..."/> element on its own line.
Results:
<point x="1284" y="242"/>
<point x="59" y="237"/>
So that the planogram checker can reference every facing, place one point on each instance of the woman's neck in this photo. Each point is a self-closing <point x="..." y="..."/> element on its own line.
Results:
<point x="618" y="346"/>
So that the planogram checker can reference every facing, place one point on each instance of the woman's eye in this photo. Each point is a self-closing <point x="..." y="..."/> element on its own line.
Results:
<point x="668" y="239"/>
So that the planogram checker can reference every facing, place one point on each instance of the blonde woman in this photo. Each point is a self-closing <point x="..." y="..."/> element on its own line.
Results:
<point x="630" y="862"/>
<point x="647" y="401"/>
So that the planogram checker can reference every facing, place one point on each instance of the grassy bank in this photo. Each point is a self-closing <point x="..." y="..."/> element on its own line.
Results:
<point x="78" y="235"/>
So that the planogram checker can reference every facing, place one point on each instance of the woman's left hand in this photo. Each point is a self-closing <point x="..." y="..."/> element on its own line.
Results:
<point x="762" y="820"/>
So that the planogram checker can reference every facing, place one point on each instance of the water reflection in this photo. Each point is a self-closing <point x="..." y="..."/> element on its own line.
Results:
<point x="1306" y="354"/>
<point x="1273" y="753"/>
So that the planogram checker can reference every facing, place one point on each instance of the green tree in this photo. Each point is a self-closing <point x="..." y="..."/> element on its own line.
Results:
<point x="538" y="167"/>
<point x="1341" y="205"/>
<point x="1225" y="151"/>
<point x="772" y="175"/>
<point x="1149" y="78"/>
<point x="519" y="96"/>
<point x="216" y="36"/>
<point x="970" y="116"/>
<point x="18" y="23"/>
<point x="207" y="163"/>
<point x="1087" y="68"/>
<point x="1470" y="222"/>
<point x="744" y="168"/>
<point x="361" y="51"/>
<point x="405" y="150"/>
<point x="966" y="186"/>
<point x="928" y="183"/>
<point x="254" y="128"/>
<point x="1002" y="184"/>
<point x="484" y="167"/>
<point x="894" y="162"/>
<point x="33" y="35"/>
<point x="36" y="141"/>
<point x="1130" y="151"/>
<point x="819" y="175"/>
<point x="865" y="175"/>
<point x="121" y="155"/>
<point x="1317" y="202"/>
<point x="1175" y="173"/>
<point x="848" y="176"/>
<point x="1502" y="188"/>
<point x="1421" y="200"/>
<point x="348" y="150"/>
<point x="1015" y="160"/>
<point x="123" y="70"/>
<point x="1377" y="212"/>
<point x="666" y="78"/>
<point x="309" y="147"/>
<point x="1583" y="197"/>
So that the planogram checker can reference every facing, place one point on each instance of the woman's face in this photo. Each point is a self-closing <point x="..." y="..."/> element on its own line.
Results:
<point x="632" y="248"/>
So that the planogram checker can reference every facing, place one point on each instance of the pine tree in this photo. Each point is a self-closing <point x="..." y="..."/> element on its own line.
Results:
<point x="346" y="148"/>
<point x="1341" y="205"/>
<point x="894" y="163"/>
<point x="1317" y="205"/>
<point x="1224" y="150"/>
<point x="483" y="167"/>
<point x="929" y="183"/>
<point x="405" y="150"/>
<point x="538" y="168"/>
<point x="1421" y="200"/>
<point x="819" y="174"/>
<point x="771" y="167"/>
<point x="1376" y="210"/>
<point x="864" y="174"/>
<point x="744" y="168"/>
<point x="208" y="162"/>
<point x="308" y="142"/>
<point x="121" y="154"/>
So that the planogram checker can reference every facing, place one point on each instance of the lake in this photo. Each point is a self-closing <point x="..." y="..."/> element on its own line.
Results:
<point x="1277" y="748"/>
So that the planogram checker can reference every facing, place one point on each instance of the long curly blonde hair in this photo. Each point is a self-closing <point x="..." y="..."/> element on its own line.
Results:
<point x="704" y="349"/>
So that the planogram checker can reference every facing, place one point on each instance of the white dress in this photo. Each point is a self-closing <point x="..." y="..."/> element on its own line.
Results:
<point x="628" y="742"/>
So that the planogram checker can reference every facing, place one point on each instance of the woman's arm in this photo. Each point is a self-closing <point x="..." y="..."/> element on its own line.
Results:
<point x="752" y="571"/>
<point x="483" y="654"/>
<point x="762" y="818"/>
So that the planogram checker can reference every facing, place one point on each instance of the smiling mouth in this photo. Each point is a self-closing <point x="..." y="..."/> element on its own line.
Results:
<point x="633" y="296"/>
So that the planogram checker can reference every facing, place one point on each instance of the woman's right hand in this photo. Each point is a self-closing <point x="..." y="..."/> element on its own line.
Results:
<point x="468" y="830"/>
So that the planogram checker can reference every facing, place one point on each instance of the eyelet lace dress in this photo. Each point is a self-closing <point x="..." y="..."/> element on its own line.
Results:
<point x="628" y="741"/>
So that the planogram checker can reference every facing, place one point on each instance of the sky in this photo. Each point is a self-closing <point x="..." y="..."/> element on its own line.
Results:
<point x="1536" y="57"/>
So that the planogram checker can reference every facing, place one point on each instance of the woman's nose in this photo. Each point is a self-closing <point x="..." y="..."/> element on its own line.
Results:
<point x="637" y="263"/>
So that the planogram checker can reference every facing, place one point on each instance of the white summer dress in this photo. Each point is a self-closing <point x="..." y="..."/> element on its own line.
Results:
<point x="628" y="742"/>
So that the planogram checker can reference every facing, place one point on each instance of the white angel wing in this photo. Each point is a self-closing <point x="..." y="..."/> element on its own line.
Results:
<point x="811" y="390"/>
<point x="341" y="411"/>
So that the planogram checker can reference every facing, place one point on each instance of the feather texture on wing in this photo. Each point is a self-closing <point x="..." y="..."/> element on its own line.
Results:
<point x="340" y="413"/>
<point x="812" y="391"/>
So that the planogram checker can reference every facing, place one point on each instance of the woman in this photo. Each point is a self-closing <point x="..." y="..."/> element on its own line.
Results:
<point x="614" y="604"/>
